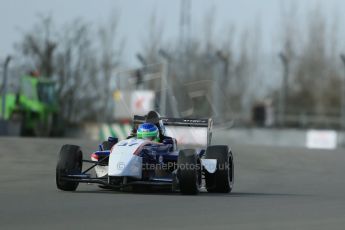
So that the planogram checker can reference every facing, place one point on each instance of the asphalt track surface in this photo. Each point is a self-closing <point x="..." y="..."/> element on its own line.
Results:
<point x="275" y="188"/>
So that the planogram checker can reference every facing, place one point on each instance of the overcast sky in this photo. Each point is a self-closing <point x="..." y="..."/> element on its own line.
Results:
<point x="17" y="16"/>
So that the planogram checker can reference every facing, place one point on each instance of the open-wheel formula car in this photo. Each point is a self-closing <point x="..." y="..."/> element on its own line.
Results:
<point x="137" y="162"/>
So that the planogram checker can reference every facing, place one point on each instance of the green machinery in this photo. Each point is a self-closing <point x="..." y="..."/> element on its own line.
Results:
<point x="34" y="107"/>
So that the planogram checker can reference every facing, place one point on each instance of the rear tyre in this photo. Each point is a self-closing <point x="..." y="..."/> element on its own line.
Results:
<point x="69" y="162"/>
<point x="222" y="180"/>
<point x="189" y="172"/>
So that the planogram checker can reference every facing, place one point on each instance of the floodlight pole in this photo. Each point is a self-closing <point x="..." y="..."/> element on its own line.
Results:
<point x="163" y="99"/>
<point x="221" y="75"/>
<point x="284" y="91"/>
<point x="342" y="96"/>
<point x="165" y="87"/>
<point x="4" y="87"/>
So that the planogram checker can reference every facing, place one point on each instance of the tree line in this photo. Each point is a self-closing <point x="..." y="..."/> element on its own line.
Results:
<point x="83" y="58"/>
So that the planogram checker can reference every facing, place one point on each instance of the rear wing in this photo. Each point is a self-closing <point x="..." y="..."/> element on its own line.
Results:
<point x="187" y="131"/>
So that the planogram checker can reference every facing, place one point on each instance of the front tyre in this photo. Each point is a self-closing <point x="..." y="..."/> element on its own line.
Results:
<point x="189" y="172"/>
<point x="69" y="162"/>
<point x="222" y="180"/>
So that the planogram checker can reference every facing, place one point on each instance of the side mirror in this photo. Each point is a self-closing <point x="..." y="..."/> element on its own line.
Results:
<point x="172" y="142"/>
<point x="168" y="141"/>
<point x="113" y="140"/>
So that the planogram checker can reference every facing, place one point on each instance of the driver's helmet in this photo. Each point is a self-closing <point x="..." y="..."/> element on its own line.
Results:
<point x="148" y="131"/>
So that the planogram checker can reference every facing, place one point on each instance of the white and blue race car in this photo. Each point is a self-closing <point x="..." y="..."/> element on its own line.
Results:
<point x="139" y="163"/>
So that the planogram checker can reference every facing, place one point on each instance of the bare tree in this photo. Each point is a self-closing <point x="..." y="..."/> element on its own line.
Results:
<point x="152" y="43"/>
<point x="208" y="30"/>
<point x="69" y="55"/>
<point x="314" y="80"/>
<point x="111" y="47"/>
<point x="39" y="45"/>
<point x="75" y="68"/>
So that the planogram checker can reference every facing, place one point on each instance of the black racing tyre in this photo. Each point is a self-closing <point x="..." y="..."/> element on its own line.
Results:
<point x="70" y="162"/>
<point x="189" y="172"/>
<point x="222" y="180"/>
